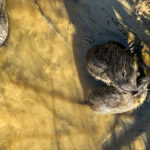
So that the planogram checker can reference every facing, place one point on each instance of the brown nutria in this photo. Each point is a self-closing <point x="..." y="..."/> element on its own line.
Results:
<point x="114" y="65"/>
<point x="110" y="100"/>
<point x="3" y="22"/>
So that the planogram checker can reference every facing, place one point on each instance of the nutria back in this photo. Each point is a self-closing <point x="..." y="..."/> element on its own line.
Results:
<point x="114" y="65"/>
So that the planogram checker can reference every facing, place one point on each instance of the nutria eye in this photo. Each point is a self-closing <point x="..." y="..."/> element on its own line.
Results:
<point x="138" y="74"/>
<point x="91" y="104"/>
<point x="123" y="74"/>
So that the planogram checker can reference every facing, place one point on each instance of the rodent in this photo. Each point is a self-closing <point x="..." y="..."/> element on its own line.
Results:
<point x="110" y="100"/>
<point x="3" y="22"/>
<point x="113" y="64"/>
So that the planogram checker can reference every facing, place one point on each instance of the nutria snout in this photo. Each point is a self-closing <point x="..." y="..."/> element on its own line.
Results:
<point x="114" y="65"/>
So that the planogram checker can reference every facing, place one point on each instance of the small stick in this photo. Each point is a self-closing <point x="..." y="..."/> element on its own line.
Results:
<point x="46" y="18"/>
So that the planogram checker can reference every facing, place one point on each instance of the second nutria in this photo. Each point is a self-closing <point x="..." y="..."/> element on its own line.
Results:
<point x="110" y="100"/>
<point x="114" y="65"/>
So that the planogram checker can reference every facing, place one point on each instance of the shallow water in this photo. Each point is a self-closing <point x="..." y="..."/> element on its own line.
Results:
<point x="44" y="81"/>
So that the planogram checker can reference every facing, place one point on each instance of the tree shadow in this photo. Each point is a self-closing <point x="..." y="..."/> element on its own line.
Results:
<point x="130" y="133"/>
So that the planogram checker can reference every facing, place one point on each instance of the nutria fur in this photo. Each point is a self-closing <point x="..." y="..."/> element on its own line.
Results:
<point x="3" y="22"/>
<point x="114" y="65"/>
<point x="110" y="100"/>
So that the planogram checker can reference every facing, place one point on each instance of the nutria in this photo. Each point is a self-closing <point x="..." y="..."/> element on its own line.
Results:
<point x="114" y="65"/>
<point x="110" y="100"/>
<point x="3" y="22"/>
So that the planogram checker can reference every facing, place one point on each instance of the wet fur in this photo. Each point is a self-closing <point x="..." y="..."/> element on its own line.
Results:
<point x="109" y="100"/>
<point x="113" y="64"/>
<point x="107" y="62"/>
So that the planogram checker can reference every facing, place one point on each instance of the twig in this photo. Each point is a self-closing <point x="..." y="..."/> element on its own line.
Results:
<point x="46" y="18"/>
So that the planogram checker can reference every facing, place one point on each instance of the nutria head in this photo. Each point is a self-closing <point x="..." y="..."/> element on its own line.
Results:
<point x="105" y="100"/>
<point x="124" y="72"/>
<point x="113" y="64"/>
